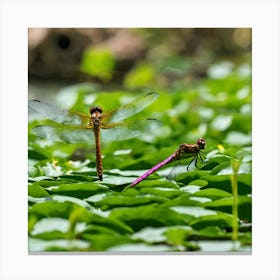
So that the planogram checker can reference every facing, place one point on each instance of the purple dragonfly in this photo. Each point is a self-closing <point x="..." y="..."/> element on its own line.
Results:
<point x="183" y="151"/>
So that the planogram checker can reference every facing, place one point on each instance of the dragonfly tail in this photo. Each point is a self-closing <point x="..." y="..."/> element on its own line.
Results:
<point x="152" y="170"/>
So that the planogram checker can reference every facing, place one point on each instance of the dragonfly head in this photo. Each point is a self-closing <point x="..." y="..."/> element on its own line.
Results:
<point x="201" y="143"/>
<point x="96" y="113"/>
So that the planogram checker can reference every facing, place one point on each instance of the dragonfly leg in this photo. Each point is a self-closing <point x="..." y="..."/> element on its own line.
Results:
<point x="191" y="162"/>
<point x="196" y="158"/>
<point x="201" y="158"/>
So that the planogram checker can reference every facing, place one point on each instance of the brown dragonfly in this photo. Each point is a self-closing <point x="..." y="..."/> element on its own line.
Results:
<point x="78" y="127"/>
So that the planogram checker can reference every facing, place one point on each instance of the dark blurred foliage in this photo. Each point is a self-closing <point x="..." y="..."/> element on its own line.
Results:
<point x="81" y="54"/>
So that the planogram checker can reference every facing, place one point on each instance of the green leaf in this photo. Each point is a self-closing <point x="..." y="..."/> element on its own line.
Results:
<point x="61" y="198"/>
<point x="140" y="248"/>
<point x="64" y="209"/>
<point x="225" y="168"/>
<point x="151" y="234"/>
<point x="53" y="209"/>
<point x="153" y="216"/>
<point x="50" y="224"/>
<point x="193" y="211"/>
<point x="161" y="192"/>
<point x="176" y="236"/>
<point x="218" y="246"/>
<point x="140" y="76"/>
<point x="212" y="232"/>
<point x="116" y="181"/>
<point x="225" y="205"/>
<point x="188" y="177"/>
<point x="213" y="193"/>
<point x="101" y="242"/>
<point x="222" y="182"/>
<point x="48" y="183"/>
<point x="200" y="182"/>
<point x="79" y="190"/>
<point x="94" y="229"/>
<point x="54" y="228"/>
<point x="183" y="200"/>
<point x="51" y="235"/>
<point x="35" y="154"/>
<point x="98" y="63"/>
<point x="39" y="245"/>
<point x="220" y="220"/>
<point x="148" y="184"/>
<point x="35" y="190"/>
<point x="77" y="178"/>
<point x="238" y="138"/>
<point x="221" y="122"/>
<point x="115" y="201"/>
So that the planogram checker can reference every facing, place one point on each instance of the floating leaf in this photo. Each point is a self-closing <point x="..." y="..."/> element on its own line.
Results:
<point x="161" y="192"/>
<point x="218" y="246"/>
<point x="220" y="220"/>
<point x="221" y="122"/>
<point x="213" y="193"/>
<point x="143" y="216"/>
<point x="38" y="245"/>
<point x="222" y="182"/>
<point x="115" y="201"/>
<point x="193" y="211"/>
<point x="36" y="190"/>
<point x="79" y="190"/>
<point x="225" y="205"/>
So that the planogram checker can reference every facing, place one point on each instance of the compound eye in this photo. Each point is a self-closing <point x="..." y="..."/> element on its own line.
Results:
<point x="95" y="109"/>
<point x="98" y="109"/>
<point x="201" y="143"/>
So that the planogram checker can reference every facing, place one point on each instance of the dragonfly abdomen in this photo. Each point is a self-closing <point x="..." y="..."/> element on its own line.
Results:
<point x="154" y="169"/>
<point x="98" y="154"/>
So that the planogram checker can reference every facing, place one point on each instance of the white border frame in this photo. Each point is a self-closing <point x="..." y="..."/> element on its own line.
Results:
<point x="17" y="16"/>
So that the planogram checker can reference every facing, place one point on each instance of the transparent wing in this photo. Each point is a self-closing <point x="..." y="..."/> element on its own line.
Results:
<point x="130" y="109"/>
<point x="176" y="168"/>
<point x="77" y="133"/>
<point x="56" y="133"/>
<point x="57" y="114"/>
<point x="128" y="130"/>
<point x="188" y="163"/>
<point x="73" y="127"/>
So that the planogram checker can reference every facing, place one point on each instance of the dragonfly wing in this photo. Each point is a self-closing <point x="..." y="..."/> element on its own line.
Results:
<point x="115" y="134"/>
<point x="58" y="133"/>
<point x="188" y="163"/>
<point x="177" y="167"/>
<point x="57" y="114"/>
<point x="128" y="130"/>
<point x="78" y="135"/>
<point x="130" y="109"/>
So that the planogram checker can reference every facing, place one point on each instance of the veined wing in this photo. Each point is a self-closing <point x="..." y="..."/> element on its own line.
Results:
<point x="130" y="109"/>
<point x="187" y="163"/>
<point x="69" y="134"/>
<point x="127" y="130"/>
<point x="78" y="134"/>
<point x="57" y="114"/>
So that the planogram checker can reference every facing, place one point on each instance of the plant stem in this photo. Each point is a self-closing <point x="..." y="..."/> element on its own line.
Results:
<point x="234" y="185"/>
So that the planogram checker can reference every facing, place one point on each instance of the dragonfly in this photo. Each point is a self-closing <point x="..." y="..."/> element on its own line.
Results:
<point x="80" y="127"/>
<point x="183" y="151"/>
